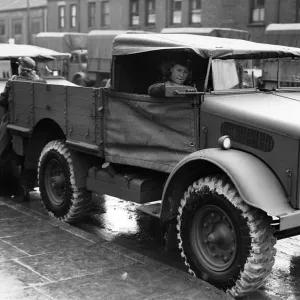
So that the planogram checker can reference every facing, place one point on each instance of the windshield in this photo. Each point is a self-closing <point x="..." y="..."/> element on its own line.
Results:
<point x="236" y="74"/>
<point x="257" y="73"/>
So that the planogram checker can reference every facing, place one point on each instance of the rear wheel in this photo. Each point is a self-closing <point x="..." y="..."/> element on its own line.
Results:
<point x="62" y="182"/>
<point x="222" y="239"/>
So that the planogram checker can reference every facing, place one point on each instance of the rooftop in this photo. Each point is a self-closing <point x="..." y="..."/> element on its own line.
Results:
<point x="6" y="5"/>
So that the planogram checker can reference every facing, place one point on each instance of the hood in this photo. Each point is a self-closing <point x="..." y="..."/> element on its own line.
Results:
<point x="275" y="111"/>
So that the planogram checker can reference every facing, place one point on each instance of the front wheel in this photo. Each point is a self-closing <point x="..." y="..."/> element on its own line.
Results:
<point x="222" y="239"/>
<point x="61" y="178"/>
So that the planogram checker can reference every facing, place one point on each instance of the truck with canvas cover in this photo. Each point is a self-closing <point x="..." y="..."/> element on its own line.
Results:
<point x="217" y="164"/>
<point x="9" y="54"/>
<point x="288" y="69"/>
<point x="75" y="43"/>
<point x="99" y="47"/>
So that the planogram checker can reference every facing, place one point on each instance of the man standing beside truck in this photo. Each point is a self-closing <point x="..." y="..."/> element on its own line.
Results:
<point x="26" y="72"/>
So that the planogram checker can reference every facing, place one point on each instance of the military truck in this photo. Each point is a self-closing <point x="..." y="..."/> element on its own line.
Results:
<point x="74" y="43"/>
<point x="218" y="165"/>
<point x="9" y="53"/>
<point x="289" y="76"/>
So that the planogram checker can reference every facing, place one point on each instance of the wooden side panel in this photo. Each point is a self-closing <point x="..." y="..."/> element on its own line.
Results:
<point x="82" y="115"/>
<point x="21" y="104"/>
<point x="50" y="102"/>
<point x="78" y="111"/>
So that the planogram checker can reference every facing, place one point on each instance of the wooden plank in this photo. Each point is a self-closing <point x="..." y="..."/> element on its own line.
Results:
<point x="81" y="133"/>
<point x="57" y="117"/>
<point x="22" y="93"/>
<point x="50" y="97"/>
<point x="81" y="101"/>
<point x="23" y="116"/>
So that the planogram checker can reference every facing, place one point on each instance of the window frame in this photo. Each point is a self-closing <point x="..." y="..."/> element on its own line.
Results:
<point x="173" y="11"/>
<point x="261" y="10"/>
<point x="134" y="14"/>
<point x="2" y="25"/>
<point x="33" y="23"/>
<point x="73" y="17"/>
<point x="61" y="17"/>
<point x="150" y="13"/>
<point x="195" y="11"/>
<point x="105" y="14"/>
<point x="17" y="22"/>
<point x="92" y="14"/>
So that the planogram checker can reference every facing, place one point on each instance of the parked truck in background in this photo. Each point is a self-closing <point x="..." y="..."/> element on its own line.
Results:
<point x="229" y="33"/>
<point x="287" y="35"/>
<point x="74" y="43"/>
<point x="99" y="49"/>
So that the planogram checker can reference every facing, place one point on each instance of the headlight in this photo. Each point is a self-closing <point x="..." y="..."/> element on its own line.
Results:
<point x="224" y="142"/>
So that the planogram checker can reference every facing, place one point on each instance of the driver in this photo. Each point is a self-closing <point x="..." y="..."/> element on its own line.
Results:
<point x="177" y="73"/>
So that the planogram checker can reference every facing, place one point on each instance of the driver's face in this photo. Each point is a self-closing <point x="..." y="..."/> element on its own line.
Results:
<point x="179" y="74"/>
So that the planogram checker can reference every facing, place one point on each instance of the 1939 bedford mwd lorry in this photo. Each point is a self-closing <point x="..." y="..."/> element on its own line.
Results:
<point x="222" y="161"/>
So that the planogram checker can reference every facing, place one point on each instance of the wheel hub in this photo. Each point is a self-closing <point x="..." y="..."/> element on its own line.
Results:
<point x="214" y="237"/>
<point x="55" y="182"/>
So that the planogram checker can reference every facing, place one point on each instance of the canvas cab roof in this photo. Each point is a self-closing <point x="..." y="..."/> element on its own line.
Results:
<point x="9" y="51"/>
<point x="204" y="46"/>
<point x="62" y="41"/>
<point x="210" y="31"/>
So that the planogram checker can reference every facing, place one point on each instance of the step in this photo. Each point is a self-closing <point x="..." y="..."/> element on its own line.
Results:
<point x="151" y="208"/>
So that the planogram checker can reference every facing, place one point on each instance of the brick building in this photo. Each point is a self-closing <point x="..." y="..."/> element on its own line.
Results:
<point x="151" y="15"/>
<point x="16" y="18"/>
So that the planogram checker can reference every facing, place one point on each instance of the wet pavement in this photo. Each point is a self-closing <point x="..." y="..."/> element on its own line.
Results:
<point x="41" y="258"/>
<point x="120" y="225"/>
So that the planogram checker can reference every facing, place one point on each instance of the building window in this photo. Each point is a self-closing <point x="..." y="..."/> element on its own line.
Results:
<point x="134" y="13"/>
<point x="105" y="11"/>
<point x="150" y="12"/>
<point x="35" y="27"/>
<point x="61" y="16"/>
<point x="73" y="9"/>
<point x="17" y="28"/>
<point x="2" y="29"/>
<point x="91" y="14"/>
<point x="195" y="11"/>
<point x="257" y="11"/>
<point x="176" y="11"/>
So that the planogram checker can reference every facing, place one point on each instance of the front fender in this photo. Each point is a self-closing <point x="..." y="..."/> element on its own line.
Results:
<point x="255" y="182"/>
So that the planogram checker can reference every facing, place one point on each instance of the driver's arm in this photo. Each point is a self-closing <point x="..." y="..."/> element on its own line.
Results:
<point x="157" y="89"/>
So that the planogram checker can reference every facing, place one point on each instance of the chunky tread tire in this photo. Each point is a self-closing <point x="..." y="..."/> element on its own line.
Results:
<point x="78" y="198"/>
<point x="258" y="259"/>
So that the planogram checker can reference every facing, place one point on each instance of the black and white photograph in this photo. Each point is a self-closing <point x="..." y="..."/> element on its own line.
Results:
<point x="149" y="149"/>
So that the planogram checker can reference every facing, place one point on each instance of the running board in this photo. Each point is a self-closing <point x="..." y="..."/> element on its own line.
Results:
<point x="151" y="208"/>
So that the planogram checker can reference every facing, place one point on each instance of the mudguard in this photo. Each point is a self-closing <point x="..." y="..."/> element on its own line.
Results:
<point x="255" y="182"/>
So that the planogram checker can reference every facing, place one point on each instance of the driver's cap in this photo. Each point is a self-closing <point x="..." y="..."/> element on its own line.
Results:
<point x="26" y="62"/>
